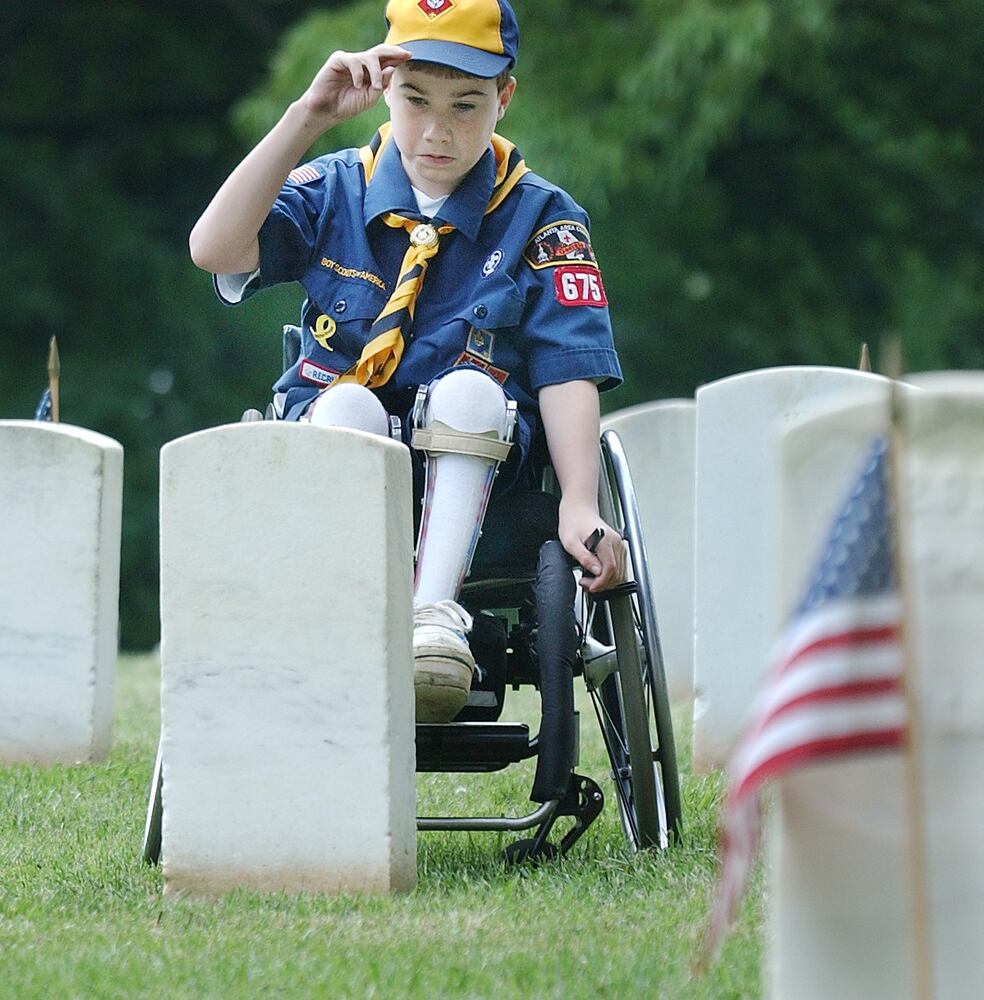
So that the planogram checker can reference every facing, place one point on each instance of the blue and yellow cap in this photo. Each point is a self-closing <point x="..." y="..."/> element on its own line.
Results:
<point x="480" y="37"/>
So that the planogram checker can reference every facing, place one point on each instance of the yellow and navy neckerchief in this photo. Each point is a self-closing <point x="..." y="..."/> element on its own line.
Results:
<point x="381" y="355"/>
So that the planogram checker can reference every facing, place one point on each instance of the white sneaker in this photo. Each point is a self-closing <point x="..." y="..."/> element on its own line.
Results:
<point x="442" y="662"/>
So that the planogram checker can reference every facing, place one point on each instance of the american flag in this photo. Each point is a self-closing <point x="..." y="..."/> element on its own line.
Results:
<point x="43" y="411"/>
<point x="834" y="684"/>
<point x="304" y="174"/>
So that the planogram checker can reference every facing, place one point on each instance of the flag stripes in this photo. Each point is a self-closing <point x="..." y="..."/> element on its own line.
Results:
<point x="834" y="684"/>
<point x="304" y="174"/>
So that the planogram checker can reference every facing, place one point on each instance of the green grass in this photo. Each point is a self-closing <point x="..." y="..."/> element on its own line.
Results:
<point x="81" y="916"/>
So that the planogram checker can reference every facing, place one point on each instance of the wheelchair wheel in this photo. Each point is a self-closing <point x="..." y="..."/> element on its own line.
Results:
<point x="630" y="693"/>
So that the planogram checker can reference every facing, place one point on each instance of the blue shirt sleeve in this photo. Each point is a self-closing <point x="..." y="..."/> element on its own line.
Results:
<point x="288" y="236"/>
<point x="567" y="330"/>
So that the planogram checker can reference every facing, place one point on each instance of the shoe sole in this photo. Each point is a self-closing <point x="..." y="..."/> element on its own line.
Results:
<point x="441" y="685"/>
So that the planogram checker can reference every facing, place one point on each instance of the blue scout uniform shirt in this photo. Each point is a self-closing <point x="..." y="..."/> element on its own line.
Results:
<point x="517" y="292"/>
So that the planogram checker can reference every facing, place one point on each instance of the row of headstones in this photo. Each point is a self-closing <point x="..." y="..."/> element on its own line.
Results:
<point x="708" y="480"/>
<point x="735" y="489"/>
<point x="287" y="709"/>
<point x="876" y="876"/>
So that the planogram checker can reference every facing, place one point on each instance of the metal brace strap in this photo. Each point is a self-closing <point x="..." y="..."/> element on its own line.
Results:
<point x="438" y="438"/>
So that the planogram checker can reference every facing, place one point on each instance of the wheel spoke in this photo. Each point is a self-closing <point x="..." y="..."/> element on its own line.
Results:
<point x="621" y="773"/>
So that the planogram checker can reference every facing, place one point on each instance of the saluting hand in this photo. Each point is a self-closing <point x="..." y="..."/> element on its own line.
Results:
<point x="352" y="82"/>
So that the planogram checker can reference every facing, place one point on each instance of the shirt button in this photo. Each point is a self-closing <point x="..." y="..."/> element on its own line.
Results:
<point x="480" y="311"/>
<point x="341" y="305"/>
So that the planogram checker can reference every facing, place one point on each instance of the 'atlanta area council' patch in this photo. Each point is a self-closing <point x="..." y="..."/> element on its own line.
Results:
<point x="564" y="242"/>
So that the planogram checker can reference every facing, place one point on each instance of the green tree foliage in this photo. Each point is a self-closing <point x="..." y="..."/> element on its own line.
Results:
<point x="770" y="182"/>
<point x="113" y="135"/>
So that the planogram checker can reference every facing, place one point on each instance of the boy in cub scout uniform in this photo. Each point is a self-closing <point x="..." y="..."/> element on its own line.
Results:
<point x="432" y="256"/>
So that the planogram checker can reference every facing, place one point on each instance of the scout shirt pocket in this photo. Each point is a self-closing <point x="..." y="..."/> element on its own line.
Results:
<point x="337" y="320"/>
<point x="484" y="332"/>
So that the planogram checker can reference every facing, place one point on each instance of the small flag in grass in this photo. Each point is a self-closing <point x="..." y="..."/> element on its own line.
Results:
<point x="43" y="411"/>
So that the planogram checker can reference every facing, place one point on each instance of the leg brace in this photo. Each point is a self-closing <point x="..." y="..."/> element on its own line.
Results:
<point x="463" y="424"/>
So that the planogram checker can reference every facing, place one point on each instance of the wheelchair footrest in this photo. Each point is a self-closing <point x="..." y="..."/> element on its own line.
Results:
<point x="472" y="746"/>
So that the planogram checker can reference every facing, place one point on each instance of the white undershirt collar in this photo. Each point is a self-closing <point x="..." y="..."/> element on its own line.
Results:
<point x="426" y="205"/>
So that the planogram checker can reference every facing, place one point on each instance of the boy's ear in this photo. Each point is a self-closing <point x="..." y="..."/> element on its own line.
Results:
<point x="504" y="97"/>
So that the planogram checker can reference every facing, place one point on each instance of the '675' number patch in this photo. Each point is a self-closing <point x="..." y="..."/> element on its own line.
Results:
<point x="579" y="286"/>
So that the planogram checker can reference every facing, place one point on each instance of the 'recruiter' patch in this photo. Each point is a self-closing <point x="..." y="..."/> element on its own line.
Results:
<point x="564" y="242"/>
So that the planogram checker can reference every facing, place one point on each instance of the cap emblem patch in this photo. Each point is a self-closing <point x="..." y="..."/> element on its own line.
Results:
<point x="433" y="8"/>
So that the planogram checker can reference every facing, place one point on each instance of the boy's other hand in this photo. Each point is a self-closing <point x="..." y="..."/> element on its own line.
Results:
<point x="351" y="82"/>
<point x="605" y="567"/>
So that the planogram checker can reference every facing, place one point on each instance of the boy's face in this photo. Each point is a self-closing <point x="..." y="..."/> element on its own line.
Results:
<point x="442" y="126"/>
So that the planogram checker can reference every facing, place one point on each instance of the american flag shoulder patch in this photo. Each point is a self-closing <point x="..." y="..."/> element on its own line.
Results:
<point x="304" y="174"/>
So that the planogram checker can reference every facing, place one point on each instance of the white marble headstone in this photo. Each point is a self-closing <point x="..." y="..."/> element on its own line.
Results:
<point x="839" y="827"/>
<point x="659" y="442"/>
<point x="944" y="472"/>
<point x="846" y="858"/>
<point x="737" y="605"/>
<point x="61" y="493"/>
<point x="287" y="667"/>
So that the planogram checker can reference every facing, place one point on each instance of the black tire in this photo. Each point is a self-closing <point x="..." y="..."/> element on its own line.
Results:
<point x="632" y="702"/>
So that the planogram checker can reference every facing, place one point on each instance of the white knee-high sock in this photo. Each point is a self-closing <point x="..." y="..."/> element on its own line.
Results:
<point x="458" y="486"/>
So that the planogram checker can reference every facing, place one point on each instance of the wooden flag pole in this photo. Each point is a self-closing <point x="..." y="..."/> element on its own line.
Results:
<point x="864" y="364"/>
<point x="919" y="879"/>
<point x="54" y="371"/>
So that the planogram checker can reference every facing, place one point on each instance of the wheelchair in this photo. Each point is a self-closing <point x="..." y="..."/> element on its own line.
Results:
<point x="534" y="626"/>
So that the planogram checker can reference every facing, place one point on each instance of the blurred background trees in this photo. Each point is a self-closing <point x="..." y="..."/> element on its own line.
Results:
<point x="770" y="182"/>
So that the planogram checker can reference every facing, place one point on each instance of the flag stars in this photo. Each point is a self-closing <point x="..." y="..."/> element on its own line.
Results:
<point x="858" y="554"/>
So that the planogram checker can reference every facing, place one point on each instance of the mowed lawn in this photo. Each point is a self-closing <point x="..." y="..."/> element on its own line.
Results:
<point x="82" y="916"/>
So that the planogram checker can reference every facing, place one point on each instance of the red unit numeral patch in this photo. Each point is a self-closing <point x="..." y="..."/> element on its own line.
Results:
<point x="579" y="286"/>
